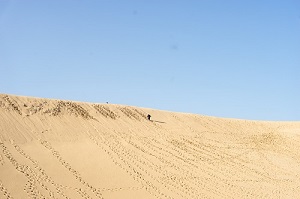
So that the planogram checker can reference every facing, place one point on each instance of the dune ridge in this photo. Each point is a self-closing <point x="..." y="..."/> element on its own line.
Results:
<point x="65" y="149"/>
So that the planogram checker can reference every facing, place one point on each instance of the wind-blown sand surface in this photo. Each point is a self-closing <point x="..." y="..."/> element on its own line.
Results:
<point x="64" y="149"/>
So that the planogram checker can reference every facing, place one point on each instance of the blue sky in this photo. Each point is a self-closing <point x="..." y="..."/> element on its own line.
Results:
<point x="233" y="58"/>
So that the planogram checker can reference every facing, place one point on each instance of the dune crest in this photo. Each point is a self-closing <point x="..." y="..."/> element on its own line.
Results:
<point x="66" y="149"/>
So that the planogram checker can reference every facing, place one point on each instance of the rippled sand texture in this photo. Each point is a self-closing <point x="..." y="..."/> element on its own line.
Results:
<point x="64" y="149"/>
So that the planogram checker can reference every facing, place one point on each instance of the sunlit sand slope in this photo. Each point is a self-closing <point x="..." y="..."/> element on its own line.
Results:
<point x="64" y="149"/>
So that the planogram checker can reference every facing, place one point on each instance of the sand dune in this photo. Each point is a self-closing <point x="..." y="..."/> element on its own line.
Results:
<point x="65" y="149"/>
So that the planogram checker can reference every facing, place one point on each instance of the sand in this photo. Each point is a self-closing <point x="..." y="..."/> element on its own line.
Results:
<point x="66" y="149"/>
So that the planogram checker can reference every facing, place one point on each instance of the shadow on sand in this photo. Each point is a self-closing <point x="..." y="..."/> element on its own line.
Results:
<point x="157" y="121"/>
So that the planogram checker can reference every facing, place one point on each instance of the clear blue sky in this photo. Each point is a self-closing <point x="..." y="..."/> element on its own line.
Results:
<point x="233" y="58"/>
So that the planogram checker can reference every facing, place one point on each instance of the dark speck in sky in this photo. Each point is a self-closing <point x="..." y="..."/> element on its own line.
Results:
<point x="174" y="47"/>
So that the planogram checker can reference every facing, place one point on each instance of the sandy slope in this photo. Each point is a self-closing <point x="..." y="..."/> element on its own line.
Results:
<point x="63" y="149"/>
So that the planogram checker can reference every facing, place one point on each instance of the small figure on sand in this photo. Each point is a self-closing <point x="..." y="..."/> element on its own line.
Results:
<point x="148" y="116"/>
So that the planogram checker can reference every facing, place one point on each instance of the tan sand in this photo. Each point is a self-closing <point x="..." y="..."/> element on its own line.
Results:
<point x="64" y="149"/>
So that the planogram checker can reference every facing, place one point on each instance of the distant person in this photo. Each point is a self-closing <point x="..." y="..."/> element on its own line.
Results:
<point x="148" y="116"/>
